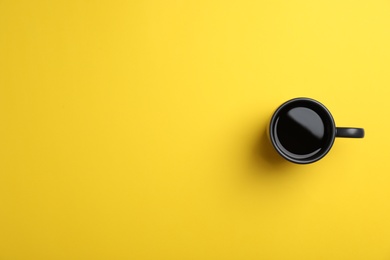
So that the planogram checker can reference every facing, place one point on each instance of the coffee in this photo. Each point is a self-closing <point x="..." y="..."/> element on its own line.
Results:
<point x="300" y="132"/>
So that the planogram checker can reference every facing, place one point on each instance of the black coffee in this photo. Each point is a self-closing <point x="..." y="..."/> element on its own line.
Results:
<point x="300" y="131"/>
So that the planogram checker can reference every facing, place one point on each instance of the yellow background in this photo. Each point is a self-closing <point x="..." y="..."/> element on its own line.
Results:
<point x="136" y="129"/>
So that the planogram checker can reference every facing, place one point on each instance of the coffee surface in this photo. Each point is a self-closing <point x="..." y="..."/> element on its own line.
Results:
<point x="300" y="131"/>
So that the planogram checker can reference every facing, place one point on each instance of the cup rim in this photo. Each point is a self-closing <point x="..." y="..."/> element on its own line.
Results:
<point x="288" y="157"/>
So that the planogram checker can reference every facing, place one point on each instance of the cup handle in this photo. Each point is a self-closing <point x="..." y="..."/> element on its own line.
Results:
<point x="349" y="132"/>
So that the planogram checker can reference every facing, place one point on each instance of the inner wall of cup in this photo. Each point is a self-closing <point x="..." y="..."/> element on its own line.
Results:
<point x="329" y="128"/>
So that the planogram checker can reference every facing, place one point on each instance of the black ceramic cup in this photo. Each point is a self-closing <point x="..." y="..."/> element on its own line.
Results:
<point x="302" y="130"/>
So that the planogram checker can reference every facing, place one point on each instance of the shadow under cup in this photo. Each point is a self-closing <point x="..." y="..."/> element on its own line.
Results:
<point x="302" y="130"/>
